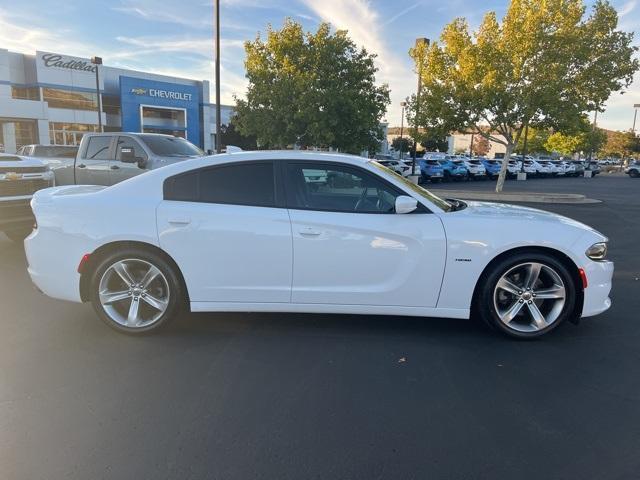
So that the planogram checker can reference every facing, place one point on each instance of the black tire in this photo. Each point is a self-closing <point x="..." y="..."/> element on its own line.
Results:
<point x="18" y="234"/>
<point x="634" y="173"/>
<point x="484" y="305"/>
<point x="175" y="291"/>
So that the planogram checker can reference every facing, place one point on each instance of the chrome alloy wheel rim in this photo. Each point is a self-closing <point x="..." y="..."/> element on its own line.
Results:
<point x="134" y="293"/>
<point x="529" y="297"/>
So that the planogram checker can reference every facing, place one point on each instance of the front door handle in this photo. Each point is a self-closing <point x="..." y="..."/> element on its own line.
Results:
<point x="115" y="167"/>
<point x="179" y="221"/>
<point x="82" y="165"/>
<point x="310" y="232"/>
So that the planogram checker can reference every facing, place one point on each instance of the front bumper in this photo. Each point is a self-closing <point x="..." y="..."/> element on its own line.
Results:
<point x="596" y="295"/>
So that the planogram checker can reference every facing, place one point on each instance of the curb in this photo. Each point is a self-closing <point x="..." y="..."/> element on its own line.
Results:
<point x="528" y="197"/>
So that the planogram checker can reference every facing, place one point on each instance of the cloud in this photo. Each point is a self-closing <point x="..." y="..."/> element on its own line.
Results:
<point x="366" y="29"/>
<point x="402" y="13"/>
<point x="627" y="8"/>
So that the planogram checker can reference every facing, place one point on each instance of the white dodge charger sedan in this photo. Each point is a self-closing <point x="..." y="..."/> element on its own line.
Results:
<point x="257" y="231"/>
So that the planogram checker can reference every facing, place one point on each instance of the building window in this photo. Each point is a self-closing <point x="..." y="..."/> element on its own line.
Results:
<point x="25" y="93"/>
<point x="111" y="104"/>
<point x="59" y="98"/>
<point x="26" y="133"/>
<point x="69" y="133"/>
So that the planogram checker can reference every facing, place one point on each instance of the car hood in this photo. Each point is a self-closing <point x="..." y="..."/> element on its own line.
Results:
<point x="508" y="212"/>
<point x="22" y="163"/>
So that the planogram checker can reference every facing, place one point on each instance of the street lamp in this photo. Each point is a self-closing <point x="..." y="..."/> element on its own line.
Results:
<point x="635" y="116"/>
<point x="218" y="129"/>
<point x="97" y="61"/>
<point x="403" y="105"/>
<point x="419" y="42"/>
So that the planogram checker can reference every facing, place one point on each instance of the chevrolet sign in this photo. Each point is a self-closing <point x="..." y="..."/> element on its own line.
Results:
<point x="157" y="93"/>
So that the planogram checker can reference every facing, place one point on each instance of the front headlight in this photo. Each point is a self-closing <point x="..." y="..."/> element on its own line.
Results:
<point x="597" y="251"/>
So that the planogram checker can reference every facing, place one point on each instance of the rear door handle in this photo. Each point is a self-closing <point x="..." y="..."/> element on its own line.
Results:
<point x="115" y="167"/>
<point x="82" y="165"/>
<point x="179" y="221"/>
<point x="310" y="232"/>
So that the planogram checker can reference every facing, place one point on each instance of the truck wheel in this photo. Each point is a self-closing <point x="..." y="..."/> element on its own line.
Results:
<point x="18" y="234"/>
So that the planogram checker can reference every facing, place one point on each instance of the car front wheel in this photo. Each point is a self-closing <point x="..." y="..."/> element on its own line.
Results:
<point x="135" y="291"/>
<point x="527" y="295"/>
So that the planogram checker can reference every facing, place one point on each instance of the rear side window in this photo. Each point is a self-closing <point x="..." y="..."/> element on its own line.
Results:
<point x="98" y="148"/>
<point x="239" y="184"/>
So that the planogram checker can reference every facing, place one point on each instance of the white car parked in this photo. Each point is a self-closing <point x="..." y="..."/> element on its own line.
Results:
<point x="475" y="167"/>
<point x="247" y="232"/>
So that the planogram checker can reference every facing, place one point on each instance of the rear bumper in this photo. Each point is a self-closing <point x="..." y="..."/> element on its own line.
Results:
<point x="53" y="274"/>
<point x="596" y="295"/>
<point x="15" y="213"/>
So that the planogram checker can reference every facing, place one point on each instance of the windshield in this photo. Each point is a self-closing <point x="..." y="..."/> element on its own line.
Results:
<point x="167" y="146"/>
<point x="422" y="192"/>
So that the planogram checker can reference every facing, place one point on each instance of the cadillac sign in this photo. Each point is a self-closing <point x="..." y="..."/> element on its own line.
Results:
<point x="53" y="60"/>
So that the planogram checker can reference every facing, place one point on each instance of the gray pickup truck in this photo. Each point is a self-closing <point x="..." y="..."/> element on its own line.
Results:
<point x="109" y="158"/>
<point x="20" y="178"/>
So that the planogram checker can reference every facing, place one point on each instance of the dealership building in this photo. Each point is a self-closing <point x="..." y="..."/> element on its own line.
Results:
<point x="51" y="98"/>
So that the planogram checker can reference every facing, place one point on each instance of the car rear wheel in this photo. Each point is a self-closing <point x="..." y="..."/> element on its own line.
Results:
<point x="527" y="295"/>
<point x="634" y="173"/>
<point x="135" y="291"/>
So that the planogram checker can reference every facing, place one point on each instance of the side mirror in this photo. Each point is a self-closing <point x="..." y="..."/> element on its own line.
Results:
<point x="127" y="155"/>
<point x="405" y="204"/>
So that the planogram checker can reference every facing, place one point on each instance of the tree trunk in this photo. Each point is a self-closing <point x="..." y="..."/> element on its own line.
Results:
<point x="503" y="168"/>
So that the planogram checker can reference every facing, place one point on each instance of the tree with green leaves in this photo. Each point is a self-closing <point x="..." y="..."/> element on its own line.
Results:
<point x="311" y="89"/>
<point x="620" y="145"/>
<point x="402" y="144"/>
<point x="544" y="66"/>
<point x="231" y="136"/>
<point x="536" y="141"/>
<point x="583" y="138"/>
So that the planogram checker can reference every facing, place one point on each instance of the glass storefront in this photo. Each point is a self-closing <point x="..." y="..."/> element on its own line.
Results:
<point x="25" y="93"/>
<point x="60" y="98"/>
<point x="69" y="133"/>
<point x="26" y="133"/>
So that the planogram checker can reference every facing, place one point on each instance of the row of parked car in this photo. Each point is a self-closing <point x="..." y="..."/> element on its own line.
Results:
<point x="436" y="167"/>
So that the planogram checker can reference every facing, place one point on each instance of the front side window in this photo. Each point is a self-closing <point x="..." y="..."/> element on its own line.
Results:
<point x="98" y="148"/>
<point x="128" y="142"/>
<point x="249" y="184"/>
<point x="338" y="188"/>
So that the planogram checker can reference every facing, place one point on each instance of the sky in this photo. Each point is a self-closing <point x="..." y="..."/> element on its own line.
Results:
<point x="175" y="36"/>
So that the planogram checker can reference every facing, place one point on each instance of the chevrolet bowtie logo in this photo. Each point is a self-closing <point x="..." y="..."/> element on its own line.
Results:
<point x="139" y="91"/>
<point x="12" y="176"/>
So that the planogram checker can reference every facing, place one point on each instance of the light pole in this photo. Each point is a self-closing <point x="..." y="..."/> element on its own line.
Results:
<point x="595" y="123"/>
<point x="218" y="126"/>
<point x="425" y="43"/>
<point x="635" y="116"/>
<point x="97" y="61"/>
<point x="403" y="105"/>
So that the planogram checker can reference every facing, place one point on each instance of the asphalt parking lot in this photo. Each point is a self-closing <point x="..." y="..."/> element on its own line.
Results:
<point x="274" y="396"/>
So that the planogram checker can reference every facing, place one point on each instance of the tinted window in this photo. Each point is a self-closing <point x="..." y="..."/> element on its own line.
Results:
<point x="128" y="142"/>
<point x="98" y="148"/>
<point x="238" y="184"/>
<point x="167" y="146"/>
<point x="183" y="187"/>
<point x="340" y="188"/>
